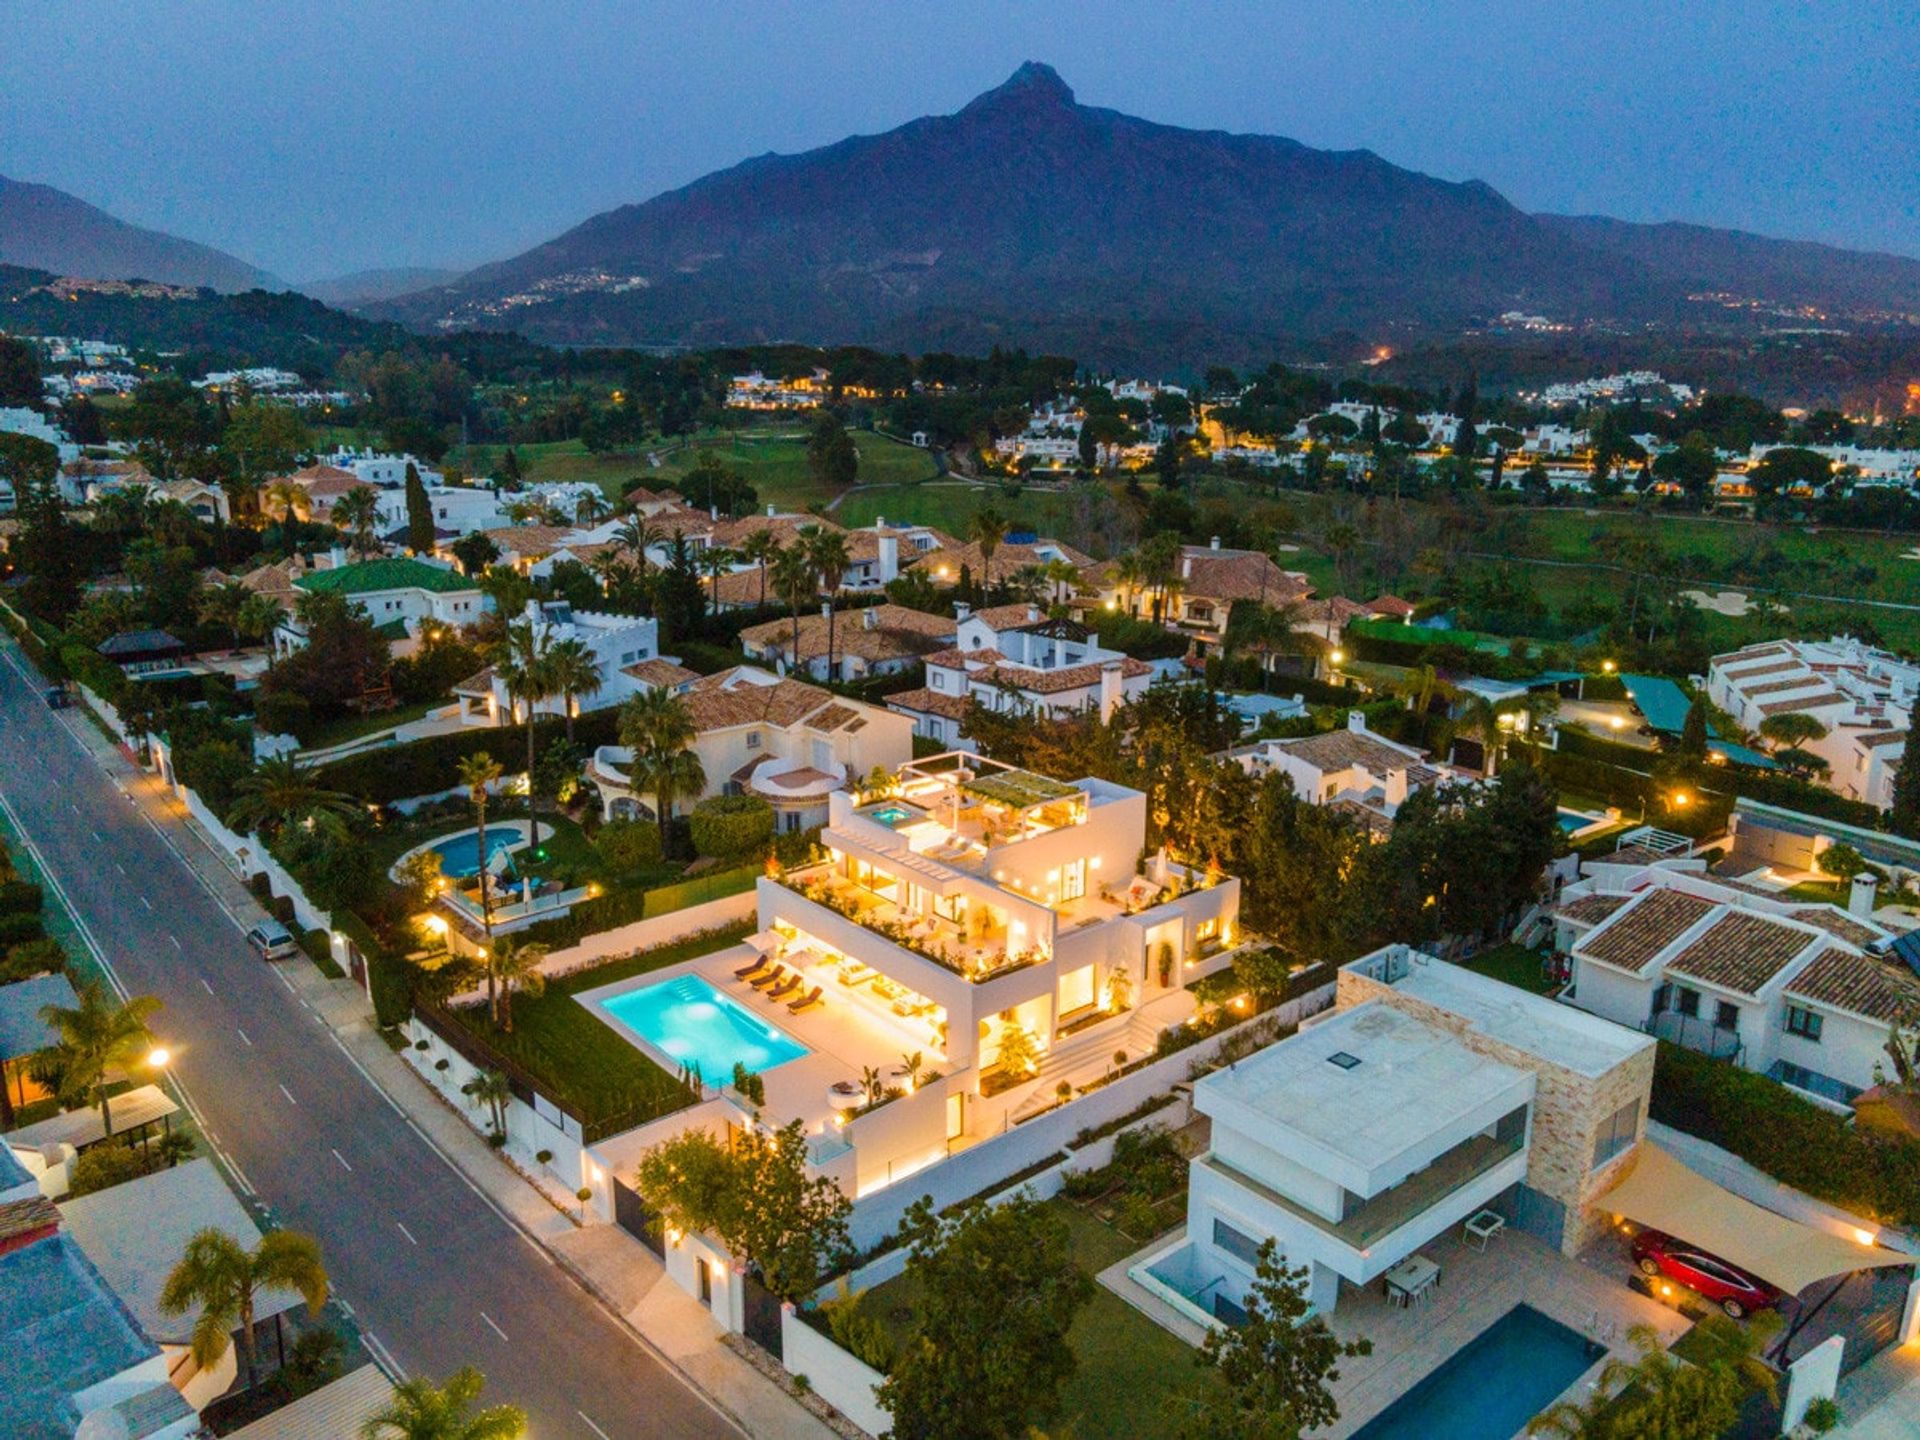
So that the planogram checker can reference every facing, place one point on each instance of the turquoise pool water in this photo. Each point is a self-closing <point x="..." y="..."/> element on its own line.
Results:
<point x="891" y="815"/>
<point x="689" y="1020"/>
<point x="459" y="855"/>
<point x="1572" y="820"/>
<point x="1498" y="1381"/>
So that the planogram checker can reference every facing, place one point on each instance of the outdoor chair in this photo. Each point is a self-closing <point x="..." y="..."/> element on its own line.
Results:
<point x="774" y="976"/>
<point x="760" y="966"/>
<point x="786" y="988"/>
<point x="807" y="1001"/>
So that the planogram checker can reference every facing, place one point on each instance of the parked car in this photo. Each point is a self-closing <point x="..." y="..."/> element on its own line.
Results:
<point x="57" y="697"/>
<point x="272" y="941"/>
<point x="1721" y="1281"/>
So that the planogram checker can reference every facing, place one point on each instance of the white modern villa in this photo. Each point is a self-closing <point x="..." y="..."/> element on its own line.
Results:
<point x="625" y="650"/>
<point x="1431" y="1094"/>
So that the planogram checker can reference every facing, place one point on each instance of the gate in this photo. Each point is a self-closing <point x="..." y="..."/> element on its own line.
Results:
<point x="761" y="1316"/>
<point x="633" y="1215"/>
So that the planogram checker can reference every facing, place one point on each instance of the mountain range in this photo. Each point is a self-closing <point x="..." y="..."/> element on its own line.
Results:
<point x="1029" y="218"/>
<point x="42" y="228"/>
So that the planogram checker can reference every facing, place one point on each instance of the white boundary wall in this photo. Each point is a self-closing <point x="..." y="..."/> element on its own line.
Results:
<point x="652" y="931"/>
<point x="842" y="1381"/>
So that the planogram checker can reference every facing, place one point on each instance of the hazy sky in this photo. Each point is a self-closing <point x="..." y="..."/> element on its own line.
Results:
<point x="315" y="139"/>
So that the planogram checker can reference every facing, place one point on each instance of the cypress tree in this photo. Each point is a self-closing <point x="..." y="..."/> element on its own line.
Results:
<point x="1903" y="817"/>
<point x="419" y="513"/>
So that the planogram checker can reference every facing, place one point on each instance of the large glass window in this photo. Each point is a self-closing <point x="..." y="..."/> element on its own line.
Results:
<point x="1236" y="1243"/>
<point x="1616" y="1133"/>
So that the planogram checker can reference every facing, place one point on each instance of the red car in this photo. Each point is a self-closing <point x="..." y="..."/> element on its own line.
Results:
<point x="1726" y="1285"/>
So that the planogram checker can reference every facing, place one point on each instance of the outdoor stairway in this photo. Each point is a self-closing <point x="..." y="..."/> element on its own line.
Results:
<point x="1096" y="1046"/>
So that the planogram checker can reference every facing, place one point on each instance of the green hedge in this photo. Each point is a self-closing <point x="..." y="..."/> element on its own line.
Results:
<point x="731" y="826"/>
<point x="16" y="928"/>
<point x="1790" y="794"/>
<point x="624" y="907"/>
<point x="20" y="896"/>
<point x="426" y="767"/>
<point x="1795" y="1141"/>
<point x="1604" y="688"/>
<point x="388" y="976"/>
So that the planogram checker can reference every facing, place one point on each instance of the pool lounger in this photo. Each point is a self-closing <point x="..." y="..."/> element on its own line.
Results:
<point x="786" y="989"/>
<point x="807" y="1001"/>
<point x="778" y="975"/>
<point x="759" y="966"/>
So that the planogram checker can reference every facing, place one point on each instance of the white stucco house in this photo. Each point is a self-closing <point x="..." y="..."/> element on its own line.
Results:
<point x="625" y="650"/>
<point x="399" y="595"/>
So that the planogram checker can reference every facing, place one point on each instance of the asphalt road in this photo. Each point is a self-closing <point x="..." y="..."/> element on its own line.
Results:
<point x="435" y="1275"/>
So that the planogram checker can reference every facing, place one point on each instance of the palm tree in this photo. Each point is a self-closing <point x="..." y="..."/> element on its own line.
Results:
<point x="421" y="1410"/>
<point x="827" y="550"/>
<point x="357" y="512"/>
<point x="220" y="605"/>
<point x="658" y="728"/>
<point x="98" y="1036"/>
<point x="797" y="581"/>
<point x="1062" y="577"/>
<point x="257" y="618"/>
<point x="715" y="560"/>
<point x="283" y="792"/>
<point x="574" y="673"/>
<point x="590" y="508"/>
<point x="477" y="772"/>
<point x="989" y="529"/>
<point x="635" y="536"/>
<point x="525" y="667"/>
<point x="284" y="500"/>
<point x="1632" y="1397"/>
<point x="1129" y="575"/>
<point x="512" y="966"/>
<point x="222" y="1277"/>
<point x="492" y="1089"/>
<point x="760" y="547"/>
<point x="1419" y="686"/>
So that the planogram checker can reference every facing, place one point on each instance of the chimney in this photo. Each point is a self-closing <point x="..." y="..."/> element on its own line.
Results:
<point x="1356" y="722"/>
<point x="336" y="556"/>
<point x="1110" y="692"/>
<point x="1214" y="543"/>
<point x="961" y="611"/>
<point x="1862" y="895"/>
<point x="889" y="558"/>
<point x="770" y="511"/>
<point x="870" y="617"/>
<point x="1033" y="614"/>
<point x="1186" y="567"/>
<point x="879" y="523"/>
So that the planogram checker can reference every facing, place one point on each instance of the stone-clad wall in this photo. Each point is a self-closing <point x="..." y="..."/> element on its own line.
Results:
<point x="1568" y="1107"/>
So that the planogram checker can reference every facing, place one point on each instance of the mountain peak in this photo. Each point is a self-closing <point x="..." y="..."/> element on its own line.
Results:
<point x="1033" y="87"/>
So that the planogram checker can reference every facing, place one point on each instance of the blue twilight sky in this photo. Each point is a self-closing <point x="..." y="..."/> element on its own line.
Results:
<point x="319" y="138"/>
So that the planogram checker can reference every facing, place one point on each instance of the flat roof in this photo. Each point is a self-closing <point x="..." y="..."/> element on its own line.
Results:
<point x="335" y="1409"/>
<point x="62" y="1330"/>
<point x="134" y="1234"/>
<point x="1556" y="1033"/>
<point x="81" y="1128"/>
<point x="22" y="1031"/>
<point x="1410" y="1080"/>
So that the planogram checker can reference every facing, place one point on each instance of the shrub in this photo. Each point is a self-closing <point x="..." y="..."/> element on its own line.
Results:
<point x="427" y="767"/>
<point x="1823" y="1415"/>
<point x="1084" y="1184"/>
<point x="20" y="896"/>
<point x="284" y="712"/>
<point x="212" y="769"/>
<point x="19" y="927"/>
<point x="30" y="958"/>
<point x="1135" y="1215"/>
<point x="104" y="1166"/>
<point x="732" y="827"/>
<point x="628" y="845"/>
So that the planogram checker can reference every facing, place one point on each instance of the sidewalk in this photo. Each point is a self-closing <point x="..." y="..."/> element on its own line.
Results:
<point x="613" y="1266"/>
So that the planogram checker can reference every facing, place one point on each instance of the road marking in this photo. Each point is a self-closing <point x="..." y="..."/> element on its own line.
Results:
<point x="289" y="1094"/>
<point x="343" y="1162"/>
<point x="121" y="868"/>
<point x="396" y="1372"/>
<point x="204" y="986"/>
<point x="146" y="902"/>
<point x="591" y="1426"/>
<point x="243" y="1035"/>
<point x="493" y="1327"/>
<point x="175" y="939"/>
<point x="98" y="838"/>
<point x="73" y="807"/>
<point x="406" y="1232"/>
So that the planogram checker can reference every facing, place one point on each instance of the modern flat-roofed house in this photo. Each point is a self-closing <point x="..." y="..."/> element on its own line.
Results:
<point x="791" y="743"/>
<point x="1014" y="660"/>
<point x="1430" y="1094"/>
<point x="1352" y="770"/>
<point x="869" y="640"/>
<point x="1805" y="993"/>
<point x="1864" y="696"/>
<point x="402" y="594"/>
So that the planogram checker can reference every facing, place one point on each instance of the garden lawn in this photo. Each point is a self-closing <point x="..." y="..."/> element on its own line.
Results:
<point x="1130" y="1371"/>
<point x="950" y="505"/>
<point x="352" y="727"/>
<point x="1515" y="964"/>
<point x="576" y="1056"/>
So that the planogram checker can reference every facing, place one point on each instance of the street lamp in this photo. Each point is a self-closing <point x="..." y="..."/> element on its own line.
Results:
<point x="1607" y="667"/>
<point x="159" y="1057"/>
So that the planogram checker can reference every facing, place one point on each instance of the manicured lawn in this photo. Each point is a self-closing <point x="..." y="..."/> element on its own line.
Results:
<point x="352" y="727"/>
<point x="1130" y="1372"/>
<point x="1828" y="892"/>
<point x="776" y="464"/>
<point x="950" y="505"/>
<point x="577" y="1057"/>
<point x="1515" y="964"/>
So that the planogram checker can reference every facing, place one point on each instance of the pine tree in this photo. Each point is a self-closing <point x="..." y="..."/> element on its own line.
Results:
<point x="1693" y="731"/>
<point x="419" y="513"/>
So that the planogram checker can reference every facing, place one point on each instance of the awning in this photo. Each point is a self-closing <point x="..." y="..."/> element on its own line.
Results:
<point x="1661" y="1192"/>
<point x="763" y="942"/>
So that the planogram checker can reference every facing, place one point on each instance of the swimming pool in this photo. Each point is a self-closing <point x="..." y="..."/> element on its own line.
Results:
<point x="1492" y="1386"/>
<point x="459" y="855"/>
<point x="692" y="1023"/>
<point x="892" y="816"/>
<point x="1573" y="821"/>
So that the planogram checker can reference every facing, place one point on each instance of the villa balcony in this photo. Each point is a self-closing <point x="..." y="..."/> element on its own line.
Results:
<point x="1696" y="1033"/>
<point x="979" y="958"/>
<point x="1369" y="1221"/>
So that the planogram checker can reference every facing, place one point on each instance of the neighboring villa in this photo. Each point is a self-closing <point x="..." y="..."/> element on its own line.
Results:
<point x="1431" y="1093"/>
<point x="82" y="481"/>
<point x="944" y="562"/>
<point x="1210" y="579"/>
<point x="1795" y="990"/>
<point x="1865" y="697"/>
<point x="399" y="595"/>
<point x="790" y="743"/>
<point x="755" y="391"/>
<point x="874" y="640"/>
<point x="1019" y="663"/>
<point x="1355" y="771"/>
<point x="625" y="649"/>
<point x="324" y="485"/>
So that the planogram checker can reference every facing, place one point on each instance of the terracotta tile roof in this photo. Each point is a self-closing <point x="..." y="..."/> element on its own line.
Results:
<point x="1054" y="682"/>
<point x="330" y="487"/>
<point x="1390" y="607"/>
<point x="528" y="540"/>
<point x="741" y="589"/>
<point x="1754" y="672"/>
<point x="1838" y="923"/>
<point x="1881" y="739"/>
<point x="1741" y="951"/>
<point x="1007" y="558"/>
<point x="831" y="718"/>
<point x="661" y="674"/>
<point x="1640" y="931"/>
<point x="930" y="702"/>
<point x="312" y="473"/>
<point x="799" y="779"/>
<point x="1342" y="749"/>
<point x="953" y="657"/>
<point x="1238" y="575"/>
<point x="478" y="683"/>
<point x="1010" y="617"/>
<point x="1755" y="651"/>
<point x="897" y="634"/>
<point x="1335" y="608"/>
<point x="20" y="1219"/>
<point x="1806" y="702"/>
<point x="130" y="470"/>
<point x="1373" y="821"/>
<point x="1591" y="909"/>
<point x="1877" y="989"/>
<point x="784" y="528"/>
<point x="1635" y="854"/>
<point x="742" y="696"/>
<point x="1774" y="687"/>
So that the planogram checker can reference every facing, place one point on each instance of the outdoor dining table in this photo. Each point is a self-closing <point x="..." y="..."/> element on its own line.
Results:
<point x="1411" y="1279"/>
